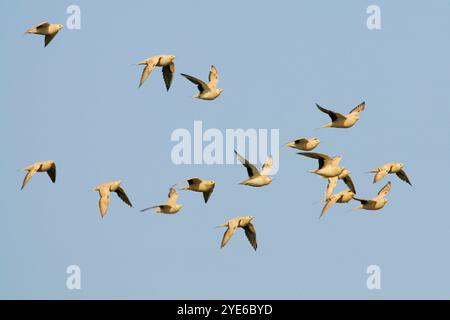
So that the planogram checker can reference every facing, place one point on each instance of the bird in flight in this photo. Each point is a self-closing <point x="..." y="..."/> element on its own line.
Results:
<point x="343" y="121"/>
<point x="49" y="30"/>
<point x="207" y="91"/>
<point x="389" y="168"/>
<point x="164" y="61"/>
<point x="43" y="166"/>
<point x="305" y="144"/>
<point x="239" y="222"/>
<point x="256" y="178"/>
<point x="332" y="182"/>
<point x="170" y="207"/>
<point x="341" y="197"/>
<point x="198" y="185"/>
<point x="105" y="189"/>
<point x="376" y="203"/>
<point x="328" y="167"/>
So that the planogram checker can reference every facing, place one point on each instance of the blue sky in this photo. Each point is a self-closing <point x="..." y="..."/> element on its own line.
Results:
<point x="77" y="102"/>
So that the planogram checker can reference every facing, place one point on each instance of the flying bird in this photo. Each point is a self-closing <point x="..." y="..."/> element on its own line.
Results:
<point x="305" y="144"/>
<point x="332" y="182"/>
<point x="49" y="30"/>
<point x="164" y="61"/>
<point x="43" y="166"/>
<point x="105" y="189"/>
<point x="198" y="185"/>
<point x="343" y="121"/>
<point x="207" y="91"/>
<point x="170" y="207"/>
<point x="389" y="168"/>
<point x="256" y="178"/>
<point x="328" y="167"/>
<point x="341" y="197"/>
<point x="239" y="222"/>
<point x="376" y="203"/>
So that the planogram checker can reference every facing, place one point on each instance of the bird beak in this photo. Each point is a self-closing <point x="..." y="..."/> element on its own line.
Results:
<point x="290" y="144"/>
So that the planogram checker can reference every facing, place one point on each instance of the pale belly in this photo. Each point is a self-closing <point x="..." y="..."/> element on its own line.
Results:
<point x="209" y="95"/>
<point x="259" y="181"/>
<point x="329" y="172"/>
<point x="344" y="123"/>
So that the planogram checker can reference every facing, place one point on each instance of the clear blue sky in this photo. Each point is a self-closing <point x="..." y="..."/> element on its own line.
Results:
<point x="77" y="102"/>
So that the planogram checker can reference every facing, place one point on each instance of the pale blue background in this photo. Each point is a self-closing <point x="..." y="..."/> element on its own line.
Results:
<point x="77" y="102"/>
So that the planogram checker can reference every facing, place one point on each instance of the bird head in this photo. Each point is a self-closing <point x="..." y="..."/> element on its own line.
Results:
<point x="290" y="144"/>
<point x="172" y="57"/>
<point x="220" y="91"/>
<point x="356" y="118"/>
<point x="211" y="183"/>
<point x="250" y="218"/>
<point x="60" y="26"/>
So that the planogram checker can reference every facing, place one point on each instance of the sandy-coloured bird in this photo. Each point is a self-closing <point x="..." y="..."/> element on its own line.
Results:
<point x="332" y="182"/>
<point x="168" y="68"/>
<point x="390" y="168"/>
<point x="376" y="203"/>
<point x="341" y="197"/>
<point x="239" y="222"/>
<point x="343" y="121"/>
<point x="328" y="167"/>
<point x="49" y="30"/>
<point x="43" y="166"/>
<point x="207" y="91"/>
<point x="105" y="189"/>
<point x="198" y="185"/>
<point x="256" y="178"/>
<point x="170" y="207"/>
<point x="305" y="144"/>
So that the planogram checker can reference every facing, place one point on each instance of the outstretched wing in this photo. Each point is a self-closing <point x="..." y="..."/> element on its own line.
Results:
<point x="172" y="197"/>
<point x="359" y="108"/>
<point x="348" y="181"/>
<point x="384" y="191"/>
<point x="381" y="173"/>
<point x="267" y="166"/>
<point x="319" y="156"/>
<point x="202" y="86"/>
<point x="332" y="200"/>
<point x="146" y="72"/>
<point x="251" y="169"/>
<point x="402" y="175"/>
<point x="52" y="172"/>
<point x="27" y="178"/>
<point x="250" y="232"/>
<point x="122" y="195"/>
<point x="213" y="77"/>
<point x="168" y="72"/>
<point x="228" y="233"/>
<point x="332" y="182"/>
<point x="333" y="115"/>
<point x="207" y="194"/>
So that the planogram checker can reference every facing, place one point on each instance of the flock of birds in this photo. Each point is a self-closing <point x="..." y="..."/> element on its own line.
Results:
<point x="329" y="167"/>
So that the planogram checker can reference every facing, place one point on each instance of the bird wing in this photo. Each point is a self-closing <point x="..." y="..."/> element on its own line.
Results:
<point x="302" y="140"/>
<point x="251" y="169"/>
<point x="323" y="158"/>
<point x="172" y="197"/>
<point x="359" y="108"/>
<point x="40" y="25"/>
<point x="250" y="232"/>
<point x="103" y="202"/>
<point x="267" y="166"/>
<point x="402" y="175"/>
<point x="122" y="195"/>
<point x="202" y="86"/>
<point x="331" y="200"/>
<point x="28" y="177"/>
<point x="384" y="191"/>
<point x="52" y="172"/>
<point x="207" y="194"/>
<point x="194" y="181"/>
<point x="333" y="115"/>
<point x="232" y="225"/>
<point x="147" y="70"/>
<point x="332" y="182"/>
<point x="381" y="173"/>
<point x="168" y="72"/>
<point x="152" y="207"/>
<point x="349" y="182"/>
<point x="213" y="77"/>
<point x="363" y="201"/>
<point x="49" y="38"/>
